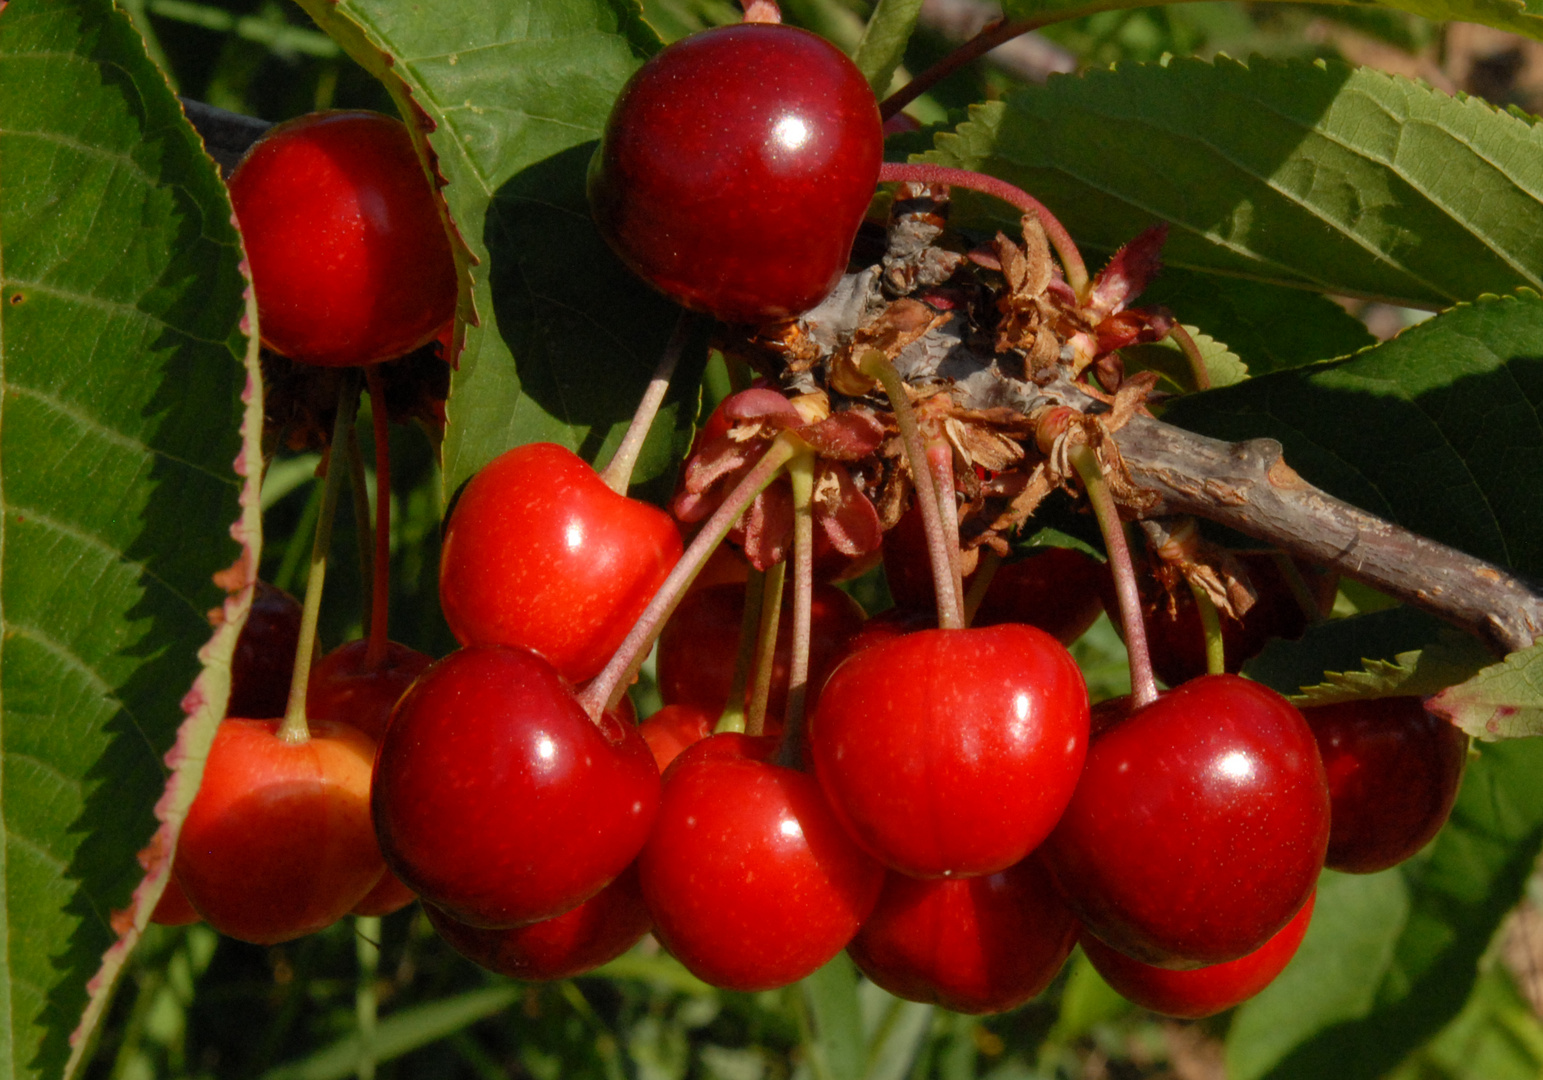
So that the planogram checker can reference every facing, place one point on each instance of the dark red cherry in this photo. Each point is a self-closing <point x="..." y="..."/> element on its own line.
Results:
<point x="497" y="799"/>
<point x="1198" y="827"/>
<point x="1055" y="589"/>
<point x="1203" y="991"/>
<point x="600" y="929"/>
<point x="735" y="169"/>
<point x="265" y="654"/>
<point x="1393" y="772"/>
<point x="675" y="727"/>
<point x="343" y="688"/>
<point x="751" y="882"/>
<point x="174" y="908"/>
<point x="973" y="945"/>
<point x="950" y="752"/>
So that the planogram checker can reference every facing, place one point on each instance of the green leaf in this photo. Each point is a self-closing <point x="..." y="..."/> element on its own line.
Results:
<point x="1391" y="957"/>
<point x="1496" y="1037"/>
<point x="1343" y="644"/>
<point x="1340" y="180"/>
<point x="1168" y="359"/>
<point x="1437" y="430"/>
<point x="120" y="301"/>
<point x="833" y="1035"/>
<point x="568" y="337"/>
<point x="884" y="40"/>
<point x="1504" y="701"/>
<point x="1419" y="673"/>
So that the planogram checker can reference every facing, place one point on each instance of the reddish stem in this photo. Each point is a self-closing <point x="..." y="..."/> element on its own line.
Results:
<point x="1060" y="239"/>
<point x="766" y="646"/>
<point x="940" y="459"/>
<point x="762" y="11"/>
<point x="380" y="584"/>
<point x="990" y="36"/>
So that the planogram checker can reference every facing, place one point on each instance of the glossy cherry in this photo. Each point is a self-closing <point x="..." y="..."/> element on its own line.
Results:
<point x="735" y="169"/>
<point x="540" y="554"/>
<point x="699" y="644"/>
<point x="673" y="728"/>
<point x="1393" y="771"/>
<point x="1204" y="991"/>
<point x="1198" y="827"/>
<point x="973" y="945"/>
<point x="949" y="752"/>
<point x="497" y="799"/>
<point x="265" y="654"/>
<point x="349" y="256"/>
<point x="600" y="929"/>
<point x="278" y="842"/>
<point x="751" y="882"/>
<point x="344" y="688"/>
<point x="1055" y="589"/>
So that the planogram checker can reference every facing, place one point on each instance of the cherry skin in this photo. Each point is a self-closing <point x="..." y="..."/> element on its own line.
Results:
<point x="699" y="645"/>
<point x="1198" y="827"/>
<point x="497" y="799"/>
<point x="952" y="752"/>
<point x="735" y="169"/>
<point x="174" y="908"/>
<point x="264" y="659"/>
<point x="1055" y="589"/>
<point x="751" y="882"/>
<point x="344" y="689"/>
<point x="600" y="929"/>
<point x="349" y="257"/>
<point x="1393" y="772"/>
<point x="673" y="728"/>
<point x="540" y="554"/>
<point x="278" y="842"/>
<point x="1204" y="991"/>
<point x="972" y="945"/>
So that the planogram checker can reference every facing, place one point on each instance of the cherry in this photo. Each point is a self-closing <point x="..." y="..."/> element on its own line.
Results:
<point x="673" y="728"/>
<point x="1203" y="991"/>
<point x="1198" y="827"/>
<point x="1393" y="772"/>
<point x="600" y="929"/>
<point x="751" y="882"/>
<point x="540" y="554"/>
<point x="174" y="908"/>
<point x="735" y="169"/>
<point x="699" y="645"/>
<point x="265" y="654"/>
<point x="952" y="751"/>
<point x="497" y="799"/>
<point x="349" y="257"/>
<point x="1055" y="589"/>
<point x="343" y="688"/>
<point x="278" y="842"/>
<point x="973" y="945"/>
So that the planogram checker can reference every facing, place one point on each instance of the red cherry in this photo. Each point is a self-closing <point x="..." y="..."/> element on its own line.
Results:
<point x="265" y="654"/>
<point x="1199" y="825"/>
<point x="700" y="642"/>
<point x="952" y="751"/>
<point x="344" y="689"/>
<point x="973" y="945"/>
<point x="278" y="843"/>
<point x="1393" y="772"/>
<point x="675" y="727"/>
<point x="1203" y="991"/>
<point x="735" y="169"/>
<point x="600" y="929"/>
<point x="751" y="882"/>
<point x="388" y="895"/>
<point x="1055" y="589"/>
<point x="349" y="256"/>
<point x="174" y="908"/>
<point x="540" y="554"/>
<point x="497" y="799"/>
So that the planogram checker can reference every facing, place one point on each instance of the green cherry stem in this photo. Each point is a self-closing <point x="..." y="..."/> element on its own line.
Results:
<point x="606" y="689"/>
<point x="733" y="717"/>
<point x="618" y="474"/>
<point x="380" y="578"/>
<point x="985" y="570"/>
<point x="1143" y="684"/>
<point x="876" y="365"/>
<point x="801" y="474"/>
<point x="364" y="534"/>
<point x="1211" y="624"/>
<point x="1198" y="372"/>
<point x="1060" y="239"/>
<point x="295" y="729"/>
<point x="772" y="587"/>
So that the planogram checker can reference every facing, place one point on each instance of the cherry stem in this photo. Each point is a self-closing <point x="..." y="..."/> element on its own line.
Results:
<point x="607" y="688"/>
<point x="1060" y="239"/>
<point x="762" y="11"/>
<point x="1211" y="624"/>
<point x="1197" y="369"/>
<point x="985" y="571"/>
<point x="801" y="475"/>
<point x="766" y="647"/>
<point x="990" y="36"/>
<point x="618" y="474"/>
<point x="380" y="579"/>
<point x="733" y="716"/>
<point x="876" y="365"/>
<point x="940" y="460"/>
<point x="364" y="534"/>
<point x="295" y="729"/>
<point x="1143" y="685"/>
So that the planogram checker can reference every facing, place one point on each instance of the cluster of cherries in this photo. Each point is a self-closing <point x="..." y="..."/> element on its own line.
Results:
<point x="953" y="813"/>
